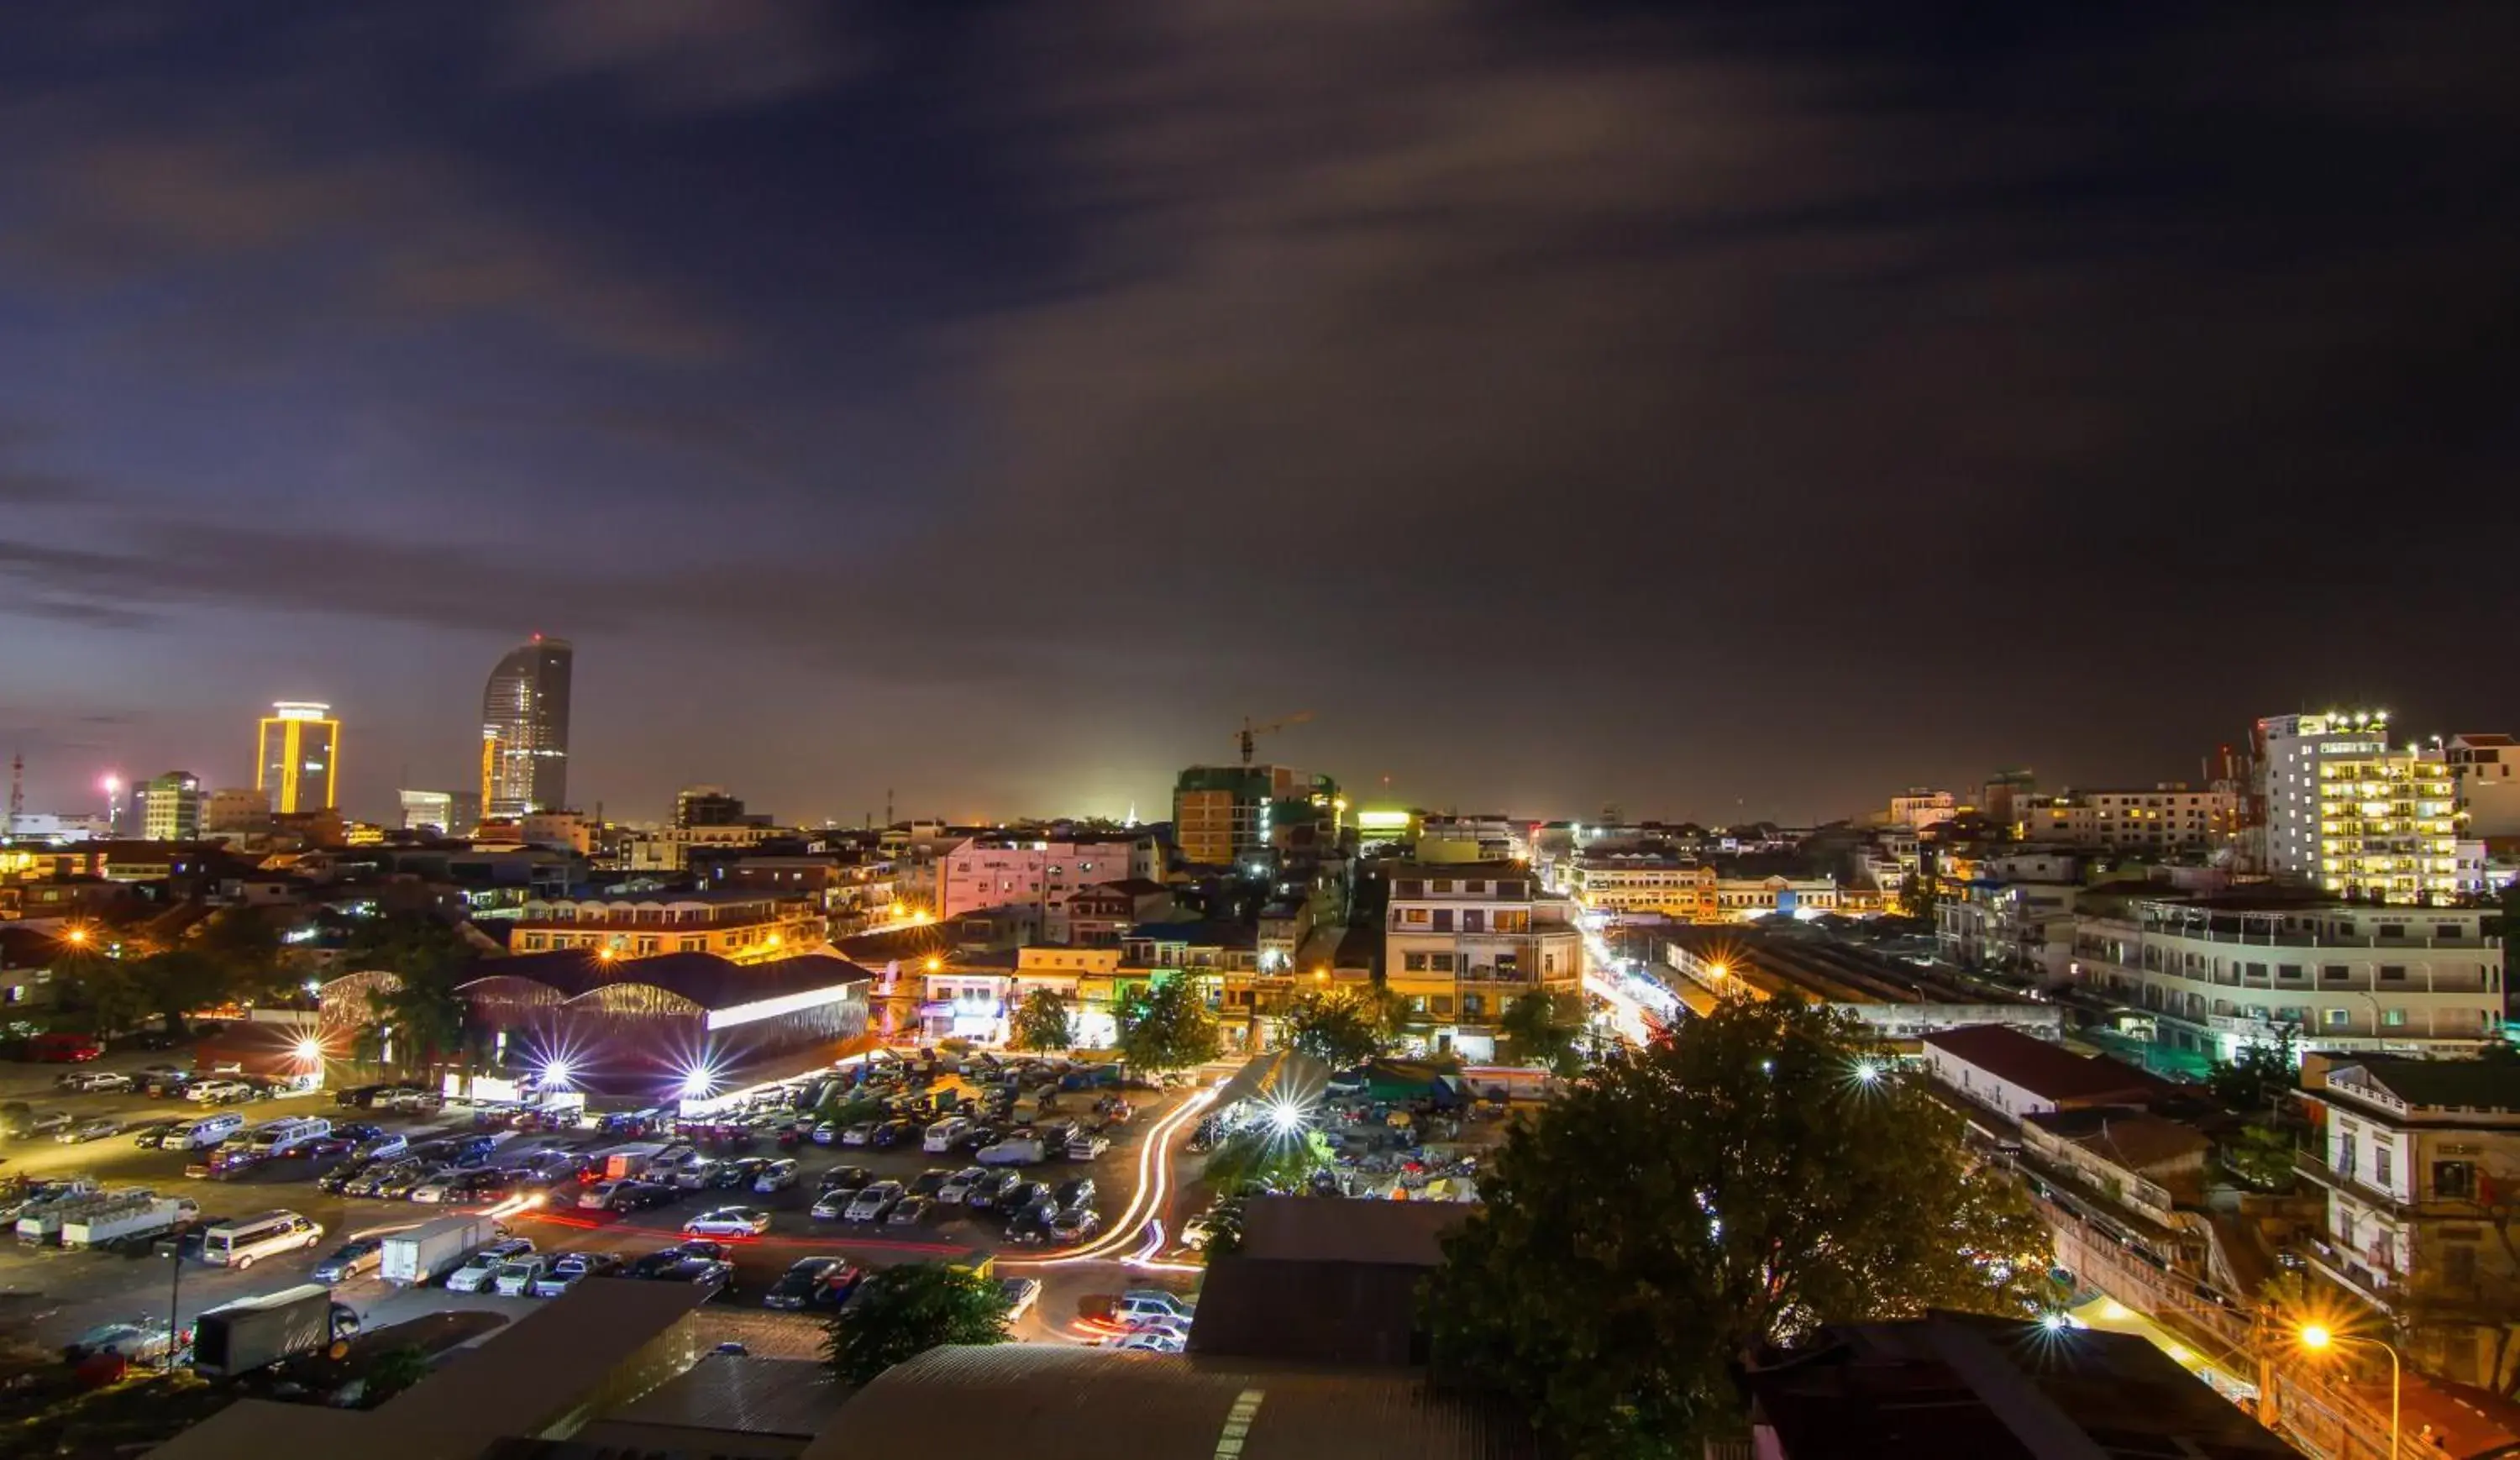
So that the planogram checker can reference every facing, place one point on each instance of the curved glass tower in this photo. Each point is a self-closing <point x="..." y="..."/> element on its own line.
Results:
<point x="524" y="730"/>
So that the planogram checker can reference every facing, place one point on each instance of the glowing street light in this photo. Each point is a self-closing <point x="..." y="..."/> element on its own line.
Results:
<point x="700" y="1082"/>
<point x="76" y="938"/>
<point x="2318" y="1337"/>
<point x="1286" y="1116"/>
<point x="1867" y="1072"/>
<point x="935" y="965"/>
<point x="605" y="953"/>
<point x="309" y="1051"/>
<point x="556" y="1074"/>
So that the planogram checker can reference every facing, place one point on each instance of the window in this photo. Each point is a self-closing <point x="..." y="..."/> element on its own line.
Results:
<point x="2394" y="1018"/>
<point x="2383" y="1162"/>
<point x="2331" y="973"/>
<point x="2338" y="1019"/>
<point x="2393" y="973"/>
<point x="2288" y="970"/>
<point x="1442" y="1004"/>
<point x="1474" y="1006"/>
<point x="1441" y="963"/>
<point x="2458" y="1265"/>
<point x="1443" y="885"/>
<point x="2345" y="1156"/>
<point x="1473" y="920"/>
<point x="1414" y="916"/>
<point x="1443" y="920"/>
<point x="2455" y="1180"/>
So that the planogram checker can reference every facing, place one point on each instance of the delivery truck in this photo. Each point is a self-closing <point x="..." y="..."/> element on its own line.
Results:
<point x="138" y="1217"/>
<point x="40" y="1224"/>
<point x="622" y="1162"/>
<point x="254" y="1333"/>
<point x="428" y="1252"/>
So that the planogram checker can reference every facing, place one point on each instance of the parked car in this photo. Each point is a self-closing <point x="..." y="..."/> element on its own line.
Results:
<point x="699" y="1175"/>
<point x="349" y="1259"/>
<point x="219" y="1092"/>
<point x="640" y="1196"/>
<point x="45" y="1122"/>
<point x="1030" y="1225"/>
<point x="810" y="1283"/>
<point x="404" y="1180"/>
<point x="1076" y="1224"/>
<point x="778" y="1175"/>
<point x="94" y="1128"/>
<point x="1018" y="1294"/>
<point x="985" y="1192"/>
<point x="382" y="1147"/>
<point x="478" y="1270"/>
<point x="910" y="1211"/>
<point x="681" y="1252"/>
<point x="712" y="1273"/>
<point x="875" y="1203"/>
<point x="151" y="1135"/>
<point x="834" y="1204"/>
<point x="740" y="1174"/>
<point x="827" y="1133"/>
<point x="729" y="1222"/>
<point x="572" y="1269"/>
<point x="851" y="1177"/>
<point x="1153" y="1343"/>
<point x="956" y="1190"/>
<point x="1150" y="1303"/>
<point x="516" y="1276"/>
<point x="88" y="1081"/>
<point x="139" y="1339"/>
<point x="1076" y="1193"/>
<point x="893" y="1133"/>
<point x="860" y="1135"/>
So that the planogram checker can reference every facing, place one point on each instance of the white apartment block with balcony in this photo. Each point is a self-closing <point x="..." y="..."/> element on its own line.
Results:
<point x="2347" y="814"/>
<point x="2218" y="974"/>
<point x="1462" y="942"/>
<point x="2420" y="1163"/>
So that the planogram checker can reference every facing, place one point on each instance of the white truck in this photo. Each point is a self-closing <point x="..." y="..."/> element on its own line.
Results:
<point x="130" y="1217"/>
<point x="428" y="1252"/>
<point x="41" y="1223"/>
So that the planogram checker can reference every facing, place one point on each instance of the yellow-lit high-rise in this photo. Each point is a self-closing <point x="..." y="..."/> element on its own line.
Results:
<point x="297" y="754"/>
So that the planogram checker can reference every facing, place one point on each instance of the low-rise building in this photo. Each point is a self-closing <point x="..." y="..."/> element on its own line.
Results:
<point x="2018" y="1075"/>
<point x="2217" y="973"/>
<point x="1100" y="915"/>
<point x="1030" y="870"/>
<point x="2011" y="914"/>
<point x="2420" y="1161"/>
<point x="1644" y="883"/>
<point x="2481" y="767"/>
<point x="744" y="927"/>
<point x="2171" y="816"/>
<point x="1746" y="899"/>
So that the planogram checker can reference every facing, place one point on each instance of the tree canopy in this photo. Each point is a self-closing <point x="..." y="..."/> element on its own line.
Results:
<point x="1042" y="1022"/>
<point x="2260" y="1077"/>
<point x="1165" y="1026"/>
<point x="1337" y="1028"/>
<point x="901" y="1312"/>
<point x="1546" y="1030"/>
<point x="1260" y="1155"/>
<point x="1761" y="1171"/>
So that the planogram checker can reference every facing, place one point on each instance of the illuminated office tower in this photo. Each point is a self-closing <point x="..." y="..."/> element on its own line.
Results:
<point x="524" y="731"/>
<point x="297" y="757"/>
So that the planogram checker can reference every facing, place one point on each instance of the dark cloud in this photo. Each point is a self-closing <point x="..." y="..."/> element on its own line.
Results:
<point x="1770" y="404"/>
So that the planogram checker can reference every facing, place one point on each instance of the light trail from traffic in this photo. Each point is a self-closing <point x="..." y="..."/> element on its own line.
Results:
<point x="1154" y="1180"/>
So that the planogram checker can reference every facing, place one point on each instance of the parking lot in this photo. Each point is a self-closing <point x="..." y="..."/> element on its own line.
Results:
<point x="63" y="1291"/>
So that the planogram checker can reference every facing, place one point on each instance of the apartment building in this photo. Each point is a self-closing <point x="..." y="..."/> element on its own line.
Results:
<point x="2481" y="774"/>
<point x="2011" y="914"/>
<point x="670" y="848"/>
<point x="2221" y="973"/>
<point x="2170" y="817"/>
<point x="2345" y="813"/>
<point x="1635" y="884"/>
<point x="1460" y="944"/>
<point x="744" y="927"/>
<point x="2419" y="1163"/>
<point x="1745" y="900"/>
<point x="1036" y="870"/>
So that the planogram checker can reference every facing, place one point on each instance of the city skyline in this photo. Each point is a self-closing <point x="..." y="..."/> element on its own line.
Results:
<point x="1783" y="405"/>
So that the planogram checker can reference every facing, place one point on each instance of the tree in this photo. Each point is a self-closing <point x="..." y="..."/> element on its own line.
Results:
<point x="407" y="943"/>
<point x="901" y="1312"/>
<point x="1042" y="1022"/>
<point x="1341" y="1029"/>
<point x="2262" y="1155"/>
<point x="1546" y="1029"/>
<point x="2259" y="1077"/>
<point x="1760" y="1172"/>
<point x="247" y="948"/>
<point x="1918" y="895"/>
<point x="393" y="1371"/>
<point x="1261" y="1155"/>
<point x="427" y="957"/>
<point x="177" y="984"/>
<point x="1165" y="1027"/>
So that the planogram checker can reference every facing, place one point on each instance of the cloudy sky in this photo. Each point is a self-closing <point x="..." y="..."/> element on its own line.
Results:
<point x="1738" y="410"/>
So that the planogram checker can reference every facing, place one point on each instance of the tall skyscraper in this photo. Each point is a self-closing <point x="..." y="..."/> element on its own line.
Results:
<point x="524" y="730"/>
<point x="297" y="757"/>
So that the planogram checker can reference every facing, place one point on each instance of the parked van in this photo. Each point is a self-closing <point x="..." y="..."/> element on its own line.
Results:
<point x="286" y="1137"/>
<point x="206" y="1130"/>
<point x="942" y="1135"/>
<point x="242" y="1243"/>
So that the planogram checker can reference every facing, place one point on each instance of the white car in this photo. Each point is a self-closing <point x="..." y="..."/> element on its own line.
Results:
<point x="778" y="1175"/>
<point x="957" y="1189"/>
<point x="1018" y="1294"/>
<point x="729" y="1222"/>
<point x="482" y="1266"/>
<point x="140" y="1340"/>
<point x="859" y="1134"/>
<point x="383" y="1147"/>
<point x="598" y="1197"/>
<point x="1152" y="1341"/>
<point x="875" y="1203"/>
<point x="94" y="1079"/>
<point x="515" y="1277"/>
<point x="218" y="1092"/>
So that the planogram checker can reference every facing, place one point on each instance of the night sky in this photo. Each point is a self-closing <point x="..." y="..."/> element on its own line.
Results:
<point x="1735" y="412"/>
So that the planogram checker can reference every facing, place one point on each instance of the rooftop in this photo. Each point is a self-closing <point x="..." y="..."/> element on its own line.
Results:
<point x="2133" y="1139"/>
<point x="704" y="978"/>
<point x="1030" y="1398"/>
<point x="1952" y="1385"/>
<point x="1303" y="1229"/>
<point x="2476" y="1084"/>
<point x="2048" y="1071"/>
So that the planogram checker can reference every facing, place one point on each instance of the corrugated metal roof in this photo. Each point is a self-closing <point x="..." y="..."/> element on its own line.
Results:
<point x="1049" y="1402"/>
<point x="1310" y="1229"/>
<point x="755" y="1395"/>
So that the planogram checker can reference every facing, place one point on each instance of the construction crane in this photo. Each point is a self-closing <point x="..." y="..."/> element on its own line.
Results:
<point x="1250" y="730"/>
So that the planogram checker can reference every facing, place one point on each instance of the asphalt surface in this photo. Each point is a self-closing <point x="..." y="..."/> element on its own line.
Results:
<point x="56" y="1295"/>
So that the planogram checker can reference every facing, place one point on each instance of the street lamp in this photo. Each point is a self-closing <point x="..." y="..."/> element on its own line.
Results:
<point x="2317" y="1338"/>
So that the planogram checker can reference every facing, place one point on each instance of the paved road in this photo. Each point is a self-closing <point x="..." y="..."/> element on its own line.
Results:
<point x="62" y="1293"/>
